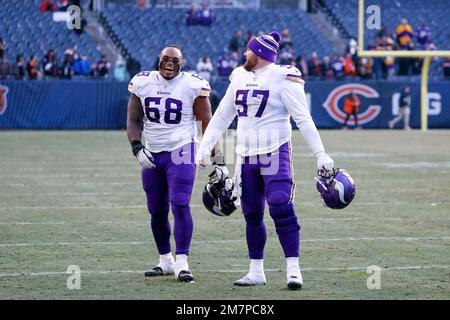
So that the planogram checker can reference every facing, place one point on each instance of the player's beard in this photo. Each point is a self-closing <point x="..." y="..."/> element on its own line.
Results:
<point x="251" y="63"/>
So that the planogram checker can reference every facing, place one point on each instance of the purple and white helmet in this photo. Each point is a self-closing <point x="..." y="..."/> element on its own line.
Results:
<point x="337" y="189"/>
<point x="218" y="196"/>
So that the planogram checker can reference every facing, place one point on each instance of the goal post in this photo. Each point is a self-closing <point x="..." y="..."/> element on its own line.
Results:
<point x="426" y="55"/>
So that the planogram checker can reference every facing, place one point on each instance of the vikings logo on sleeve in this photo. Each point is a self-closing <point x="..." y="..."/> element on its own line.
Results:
<point x="293" y="74"/>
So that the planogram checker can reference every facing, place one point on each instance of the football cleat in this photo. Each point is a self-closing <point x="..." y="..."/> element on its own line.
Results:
<point x="251" y="280"/>
<point x="158" y="271"/>
<point x="185" y="276"/>
<point x="295" y="282"/>
<point x="217" y="195"/>
<point x="336" y="188"/>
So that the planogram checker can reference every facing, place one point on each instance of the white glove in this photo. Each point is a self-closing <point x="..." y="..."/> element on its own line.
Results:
<point x="324" y="162"/>
<point x="145" y="159"/>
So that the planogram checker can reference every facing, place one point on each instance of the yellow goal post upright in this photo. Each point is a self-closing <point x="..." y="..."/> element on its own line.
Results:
<point x="427" y="55"/>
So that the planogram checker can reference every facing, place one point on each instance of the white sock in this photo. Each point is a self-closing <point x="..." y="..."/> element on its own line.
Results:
<point x="166" y="259"/>
<point x="292" y="267"/>
<point x="181" y="263"/>
<point x="257" y="266"/>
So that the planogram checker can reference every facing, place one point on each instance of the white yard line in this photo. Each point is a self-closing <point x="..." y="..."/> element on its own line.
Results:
<point x="112" y="243"/>
<point x="305" y="203"/>
<point x="304" y="269"/>
<point x="225" y="220"/>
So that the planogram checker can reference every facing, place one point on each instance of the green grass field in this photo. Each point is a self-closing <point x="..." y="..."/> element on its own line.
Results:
<point x="74" y="198"/>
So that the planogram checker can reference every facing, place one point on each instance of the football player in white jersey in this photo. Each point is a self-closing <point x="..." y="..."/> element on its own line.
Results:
<point x="168" y="102"/>
<point x="263" y="95"/>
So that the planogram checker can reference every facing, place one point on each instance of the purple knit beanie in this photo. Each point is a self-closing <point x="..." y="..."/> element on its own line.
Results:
<point x="266" y="46"/>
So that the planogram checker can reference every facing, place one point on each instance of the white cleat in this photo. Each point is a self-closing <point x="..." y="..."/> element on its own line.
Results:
<point x="295" y="282"/>
<point x="251" y="280"/>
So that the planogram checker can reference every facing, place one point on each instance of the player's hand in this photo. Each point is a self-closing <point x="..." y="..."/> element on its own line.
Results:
<point x="145" y="159"/>
<point x="143" y="156"/>
<point x="324" y="162"/>
<point x="200" y="159"/>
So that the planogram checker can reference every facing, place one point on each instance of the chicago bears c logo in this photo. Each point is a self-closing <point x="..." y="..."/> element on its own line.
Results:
<point x="3" y="101"/>
<point x="331" y="104"/>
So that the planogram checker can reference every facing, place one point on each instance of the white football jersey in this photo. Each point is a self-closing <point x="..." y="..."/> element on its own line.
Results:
<point x="263" y="100"/>
<point x="169" y="120"/>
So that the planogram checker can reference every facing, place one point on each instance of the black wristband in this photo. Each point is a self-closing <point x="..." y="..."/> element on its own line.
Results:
<point x="136" y="146"/>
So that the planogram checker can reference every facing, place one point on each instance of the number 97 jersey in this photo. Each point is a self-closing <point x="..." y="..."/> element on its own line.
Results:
<point x="169" y="120"/>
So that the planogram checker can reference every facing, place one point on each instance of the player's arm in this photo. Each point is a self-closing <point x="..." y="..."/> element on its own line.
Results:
<point x="134" y="131"/>
<point x="220" y="122"/>
<point x="203" y="113"/>
<point x="294" y="98"/>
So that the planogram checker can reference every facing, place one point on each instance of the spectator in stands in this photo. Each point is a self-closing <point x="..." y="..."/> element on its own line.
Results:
<point x="120" y="70"/>
<point x="103" y="67"/>
<point x="49" y="63"/>
<point x="66" y="71"/>
<point x="134" y="66"/>
<point x="446" y="68"/>
<point x="384" y="32"/>
<point x="206" y="15"/>
<point x="81" y="66"/>
<point x="404" y="34"/>
<point x="48" y="5"/>
<point x="302" y="66"/>
<point x="205" y="68"/>
<point x="32" y="68"/>
<point x="225" y="65"/>
<point x="94" y="72"/>
<point x="62" y="5"/>
<point x="405" y="109"/>
<point x="351" y="107"/>
<point x="235" y="42"/>
<point x="5" y="69"/>
<point x="313" y="65"/>
<point x="69" y="54"/>
<point x="192" y="16"/>
<point x="365" y="68"/>
<point x="337" y="64"/>
<point x="286" y="55"/>
<point x="2" y="48"/>
<point x="389" y="65"/>
<point x="142" y="4"/>
<point x="405" y="65"/>
<point x="423" y="36"/>
<point x="18" y="69"/>
<point x="248" y="38"/>
<point x="326" y="71"/>
<point x="349" y="65"/>
<point x="286" y="39"/>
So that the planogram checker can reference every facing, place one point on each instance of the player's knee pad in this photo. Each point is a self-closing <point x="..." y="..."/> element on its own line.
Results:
<point x="181" y="200"/>
<point x="282" y="212"/>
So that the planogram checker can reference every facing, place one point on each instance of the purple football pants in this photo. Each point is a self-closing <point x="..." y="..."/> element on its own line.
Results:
<point x="171" y="183"/>
<point x="270" y="177"/>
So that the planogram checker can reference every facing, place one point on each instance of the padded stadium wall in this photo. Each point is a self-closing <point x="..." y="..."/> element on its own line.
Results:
<point x="103" y="104"/>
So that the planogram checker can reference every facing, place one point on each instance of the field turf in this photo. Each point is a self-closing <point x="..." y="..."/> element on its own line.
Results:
<point x="74" y="198"/>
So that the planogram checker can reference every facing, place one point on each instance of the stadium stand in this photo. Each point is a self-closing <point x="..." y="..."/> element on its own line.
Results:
<point x="28" y="31"/>
<point x="432" y="12"/>
<point x="137" y="31"/>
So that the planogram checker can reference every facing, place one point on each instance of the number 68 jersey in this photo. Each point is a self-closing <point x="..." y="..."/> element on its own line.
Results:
<point x="169" y="120"/>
